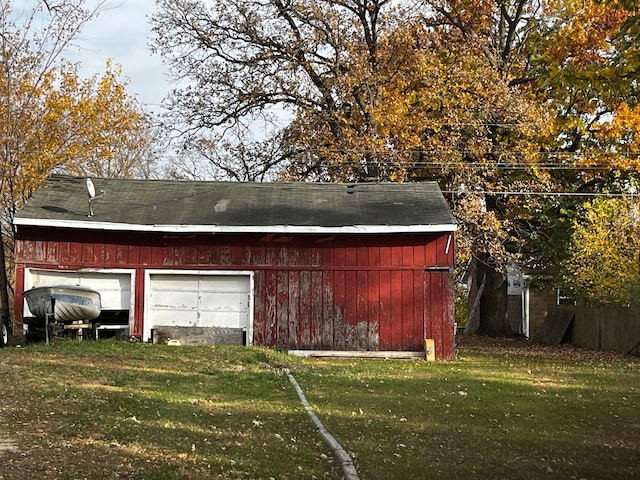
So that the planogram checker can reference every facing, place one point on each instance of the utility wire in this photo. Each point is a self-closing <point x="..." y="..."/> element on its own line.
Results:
<point x="542" y="194"/>
<point x="478" y="166"/>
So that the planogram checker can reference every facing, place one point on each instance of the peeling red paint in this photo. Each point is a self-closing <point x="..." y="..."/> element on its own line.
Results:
<point x="361" y="292"/>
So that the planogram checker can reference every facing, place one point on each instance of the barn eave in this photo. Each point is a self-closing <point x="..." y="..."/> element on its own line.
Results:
<point x="213" y="229"/>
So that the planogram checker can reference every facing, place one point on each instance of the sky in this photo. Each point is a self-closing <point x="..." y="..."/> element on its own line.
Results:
<point x="122" y="33"/>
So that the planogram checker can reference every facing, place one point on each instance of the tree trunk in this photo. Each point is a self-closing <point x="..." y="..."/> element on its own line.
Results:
<point x="473" y="302"/>
<point x="493" y="317"/>
<point x="4" y="288"/>
<point x="488" y="313"/>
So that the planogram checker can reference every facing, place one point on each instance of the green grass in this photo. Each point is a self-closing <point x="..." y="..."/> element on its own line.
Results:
<point x="94" y="410"/>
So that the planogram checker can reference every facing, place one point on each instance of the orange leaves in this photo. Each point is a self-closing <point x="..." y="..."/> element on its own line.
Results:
<point x="624" y="124"/>
<point x="583" y="30"/>
<point x="65" y="123"/>
<point x="52" y="119"/>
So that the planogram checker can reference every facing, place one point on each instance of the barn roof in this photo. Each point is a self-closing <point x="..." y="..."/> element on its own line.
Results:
<point x="200" y="207"/>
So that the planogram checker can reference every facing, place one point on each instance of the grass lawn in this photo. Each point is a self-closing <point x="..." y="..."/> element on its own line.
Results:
<point x="506" y="409"/>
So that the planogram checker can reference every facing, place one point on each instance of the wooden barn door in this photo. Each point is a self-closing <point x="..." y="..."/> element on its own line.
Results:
<point x="439" y="311"/>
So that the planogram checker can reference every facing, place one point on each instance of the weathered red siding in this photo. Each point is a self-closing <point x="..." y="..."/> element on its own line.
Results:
<point x="342" y="292"/>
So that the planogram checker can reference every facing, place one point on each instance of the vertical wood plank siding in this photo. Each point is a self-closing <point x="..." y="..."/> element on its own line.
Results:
<point x="342" y="292"/>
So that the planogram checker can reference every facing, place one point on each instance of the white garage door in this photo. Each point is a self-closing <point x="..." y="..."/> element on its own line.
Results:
<point x="199" y="300"/>
<point x="114" y="287"/>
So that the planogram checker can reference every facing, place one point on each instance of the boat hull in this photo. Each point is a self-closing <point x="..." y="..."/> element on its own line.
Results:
<point x="71" y="303"/>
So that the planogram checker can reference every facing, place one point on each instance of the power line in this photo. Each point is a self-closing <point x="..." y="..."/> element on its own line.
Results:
<point x="478" y="165"/>
<point x="543" y="194"/>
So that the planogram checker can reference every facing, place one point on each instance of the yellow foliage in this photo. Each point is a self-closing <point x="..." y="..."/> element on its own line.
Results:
<point x="585" y="28"/>
<point x="624" y="125"/>
<point x="604" y="265"/>
<point x="60" y="122"/>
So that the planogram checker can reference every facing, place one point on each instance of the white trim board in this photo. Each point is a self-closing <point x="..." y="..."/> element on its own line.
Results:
<point x="212" y="229"/>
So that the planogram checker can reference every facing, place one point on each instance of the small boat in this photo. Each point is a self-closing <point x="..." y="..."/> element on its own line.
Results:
<point x="68" y="303"/>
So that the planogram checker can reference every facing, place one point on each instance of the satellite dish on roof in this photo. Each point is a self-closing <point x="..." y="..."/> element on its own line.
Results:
<point x="91" y="190"/>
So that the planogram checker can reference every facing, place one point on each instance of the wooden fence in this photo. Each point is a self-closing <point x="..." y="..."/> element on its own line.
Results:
<point x="610" y="328"/>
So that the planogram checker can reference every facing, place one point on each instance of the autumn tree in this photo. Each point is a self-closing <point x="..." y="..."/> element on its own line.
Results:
<point x="603" y="266"/>
<point x="372" y="92"/>
<point x="369" y="93"/>
<point x="52" y="119"/>
<point x="578" y="59"/>
<point x="115" y="137"/>
<point x="493" y="99"/>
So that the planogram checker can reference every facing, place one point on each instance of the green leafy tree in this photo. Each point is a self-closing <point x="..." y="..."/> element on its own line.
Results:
<point x="603" y="267"/>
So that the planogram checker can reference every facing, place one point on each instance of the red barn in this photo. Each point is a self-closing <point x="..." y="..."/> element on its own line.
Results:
<point x="306" y="266"/>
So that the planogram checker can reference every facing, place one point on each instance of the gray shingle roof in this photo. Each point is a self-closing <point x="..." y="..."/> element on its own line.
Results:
<point x="233" y="206"/>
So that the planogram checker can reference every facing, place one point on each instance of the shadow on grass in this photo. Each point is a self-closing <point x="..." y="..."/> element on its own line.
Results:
<point x="482" y="417"/>
<point x="138" y="411"/>
<point x="108" y="410"/>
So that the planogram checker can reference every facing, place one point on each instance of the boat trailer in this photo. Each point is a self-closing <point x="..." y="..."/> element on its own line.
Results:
<point x="110" y="323"/>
